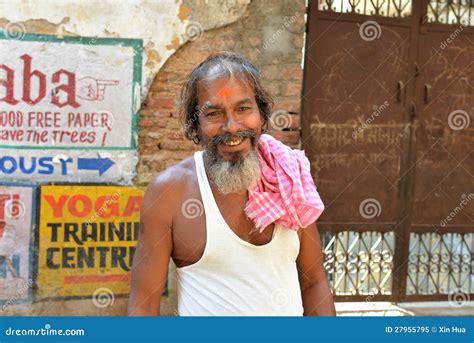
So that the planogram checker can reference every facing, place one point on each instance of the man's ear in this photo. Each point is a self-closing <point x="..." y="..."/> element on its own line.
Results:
<point x="198" y="137"/>
<point x="264" y="125"/>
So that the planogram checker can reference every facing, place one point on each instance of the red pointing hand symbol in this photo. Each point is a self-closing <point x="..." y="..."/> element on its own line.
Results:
<point x="92" y="89"/>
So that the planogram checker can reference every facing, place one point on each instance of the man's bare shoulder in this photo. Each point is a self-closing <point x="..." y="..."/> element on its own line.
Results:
<point x="167" y="187"/>
<point x="174" y="175"/>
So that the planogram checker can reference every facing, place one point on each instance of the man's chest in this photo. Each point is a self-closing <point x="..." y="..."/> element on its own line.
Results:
<point x="190" y="226"/>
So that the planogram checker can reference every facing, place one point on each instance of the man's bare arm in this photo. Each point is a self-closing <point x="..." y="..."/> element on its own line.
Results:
<point x="315" y="291"/>
<point x="154" y="248"/>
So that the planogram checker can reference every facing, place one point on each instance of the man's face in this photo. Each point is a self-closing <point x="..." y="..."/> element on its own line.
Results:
<point x="229" y="117"/>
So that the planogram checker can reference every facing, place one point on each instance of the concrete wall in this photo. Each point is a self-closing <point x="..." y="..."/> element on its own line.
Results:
<point x="168" y="38"/>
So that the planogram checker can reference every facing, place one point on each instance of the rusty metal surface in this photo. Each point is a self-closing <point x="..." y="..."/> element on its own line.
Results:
<point x="383" y="153"/>
<point x="352" y="122"/>
<point x="353" y="116"/>
<point x="444" y="177"/>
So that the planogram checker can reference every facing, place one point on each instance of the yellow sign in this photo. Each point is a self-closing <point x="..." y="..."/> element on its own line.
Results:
<point x="87" y="239"/>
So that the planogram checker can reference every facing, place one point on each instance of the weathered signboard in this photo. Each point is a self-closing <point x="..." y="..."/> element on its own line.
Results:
<point x="87" y="239"/>
<point x="17" y="213"/>
<point x="68" y="108"/>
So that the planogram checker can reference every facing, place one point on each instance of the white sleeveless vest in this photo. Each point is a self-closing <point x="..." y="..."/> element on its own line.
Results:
<point x="235" y="277"/>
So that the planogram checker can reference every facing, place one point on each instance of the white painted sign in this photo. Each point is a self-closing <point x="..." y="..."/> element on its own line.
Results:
<point x="68" y="165"/>
<point x="16" y="237"/>
<point x="71" y="94"/>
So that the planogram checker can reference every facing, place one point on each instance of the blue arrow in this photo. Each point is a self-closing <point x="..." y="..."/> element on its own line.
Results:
<point x="100" y="164"/>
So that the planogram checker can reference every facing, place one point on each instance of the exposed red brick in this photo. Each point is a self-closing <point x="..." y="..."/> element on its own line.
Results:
<point x="146" y="113"/>
<point x="157" y="101"/>
<point x="171" y="145"/>
<point x="295" y="122"/>
<point x="270" y="72"/>
<point x="162" y="122"/>
<point x="287" y="137"/>
<point x="145" y="123"/>
<point x="163" y="112"/>
<point x="289" y="105"/>
<point x="291" y="89"/>
<point x="292" y="73"/>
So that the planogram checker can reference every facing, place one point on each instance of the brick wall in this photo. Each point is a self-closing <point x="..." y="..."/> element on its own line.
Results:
<point x="271" y="35"/>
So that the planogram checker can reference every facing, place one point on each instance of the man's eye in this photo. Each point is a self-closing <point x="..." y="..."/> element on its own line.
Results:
<point x="213" y="113"/>
<point x="243" y="108"/>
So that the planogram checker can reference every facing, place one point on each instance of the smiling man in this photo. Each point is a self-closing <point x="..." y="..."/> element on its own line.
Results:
<point x="226" y="216"/>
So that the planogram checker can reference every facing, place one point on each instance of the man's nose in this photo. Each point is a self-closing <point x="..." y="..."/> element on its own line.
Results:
<point x="231" y="125"/>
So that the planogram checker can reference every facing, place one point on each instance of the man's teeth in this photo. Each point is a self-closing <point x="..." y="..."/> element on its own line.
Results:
<point x="235" y="141"/>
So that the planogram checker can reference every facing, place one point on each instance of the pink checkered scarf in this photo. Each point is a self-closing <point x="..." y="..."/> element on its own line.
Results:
<point x="286" y="193"/>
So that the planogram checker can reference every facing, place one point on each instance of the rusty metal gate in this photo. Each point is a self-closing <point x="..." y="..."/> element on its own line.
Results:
<point x="388" y="97"/>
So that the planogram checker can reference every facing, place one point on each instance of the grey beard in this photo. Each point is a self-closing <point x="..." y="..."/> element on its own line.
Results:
<point x="234" y="176"/>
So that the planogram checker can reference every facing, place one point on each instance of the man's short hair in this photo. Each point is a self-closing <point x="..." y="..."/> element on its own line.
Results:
<point x="230" y="64"/>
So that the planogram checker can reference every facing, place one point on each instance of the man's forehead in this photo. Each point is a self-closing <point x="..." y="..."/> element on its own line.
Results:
<point x="224" y="92"/>
<point x="216" y="103"/>
<point x="222" y="87"/>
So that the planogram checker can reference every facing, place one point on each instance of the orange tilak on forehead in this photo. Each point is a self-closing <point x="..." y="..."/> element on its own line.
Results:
<point x="224" y="92"/>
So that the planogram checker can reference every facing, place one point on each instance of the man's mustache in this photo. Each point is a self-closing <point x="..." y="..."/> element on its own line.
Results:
<point x="228" y="136"/>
